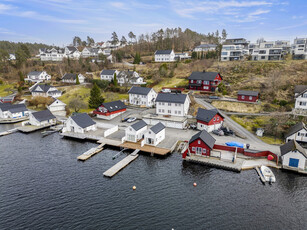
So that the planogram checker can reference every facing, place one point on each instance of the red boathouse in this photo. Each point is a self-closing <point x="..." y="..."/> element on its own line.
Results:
<point x="110" y="110"/>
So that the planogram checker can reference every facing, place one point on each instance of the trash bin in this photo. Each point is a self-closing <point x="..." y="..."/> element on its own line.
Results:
<point x="247" y="146"/>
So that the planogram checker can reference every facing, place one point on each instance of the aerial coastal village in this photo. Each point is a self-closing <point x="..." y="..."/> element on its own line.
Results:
<point x="190" y="102"/>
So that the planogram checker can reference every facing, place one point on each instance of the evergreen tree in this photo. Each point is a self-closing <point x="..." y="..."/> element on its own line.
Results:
<point x="114" y="38"/>
<point x="224" y="34"/>
<point x="77" y="80"/>
<point x="137" y="58"/>
<point x="115" y="80"/>
<point x="194" y="55"/>
<point x="25" y="50"/>
<point x="21" y="57"/>
<point x="95" y="99"/>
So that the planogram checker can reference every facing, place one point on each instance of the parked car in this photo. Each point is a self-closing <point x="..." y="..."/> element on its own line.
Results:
<point x="166" y="91"/>
<point x="131" y="119"/>
<point x="227" y="131"/>
<point x="193" y="126"/>
<point x="125" y="119"/>
<point x="214" y="97"/>
<point x="218" y="132"/>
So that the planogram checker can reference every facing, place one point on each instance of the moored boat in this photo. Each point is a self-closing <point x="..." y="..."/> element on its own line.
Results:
<point x="267" y="174"/>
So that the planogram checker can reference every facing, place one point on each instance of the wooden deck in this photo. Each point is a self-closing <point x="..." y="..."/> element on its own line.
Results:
<point x="88" y="154"/>
<point x="146" y="148"/>
<point x="122" y="164"/>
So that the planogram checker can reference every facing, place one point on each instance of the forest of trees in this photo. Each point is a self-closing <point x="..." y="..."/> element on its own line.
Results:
<point x="11" y="47"/>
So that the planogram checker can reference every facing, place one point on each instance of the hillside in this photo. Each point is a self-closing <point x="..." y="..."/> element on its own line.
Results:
<point x="11" y="47"/>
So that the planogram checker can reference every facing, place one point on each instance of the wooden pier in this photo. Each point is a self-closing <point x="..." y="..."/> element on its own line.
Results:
<point x="88" y="154"/>
<point x="32" y="128"/>
<point x="8" y="132"/>
<point x="122" y="164"/>
<point x="12" y="120"/>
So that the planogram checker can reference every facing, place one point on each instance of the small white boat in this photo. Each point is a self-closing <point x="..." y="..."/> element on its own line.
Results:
<point x="267" y="174"/>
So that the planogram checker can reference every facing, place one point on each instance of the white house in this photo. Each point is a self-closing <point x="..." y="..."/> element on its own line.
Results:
<point x="52" y="54"/>
<point x="129" y="77"/>
<point x="45" y="90"/>
<point x="80" y="123"/>
<point x="57" y="107"/>
<point x="293" y="156"/>
<point x="300" y="93"/>
<point x="164" y="56"/>
<point x="9" y="110"/>
<point x="12" y="57"/>
<point x="269" y="50"/>
<point x="42" y="118"/>
<point x="234" y="49"/>
<point x="108" y="74"/>
<point x="136" y="132"/>
<point x="142" y="96"/>
<point x="72" y="52"/>
<point x="298" y="133"/>
<point x="182" y="56"/>
<point x="299" y="48"/>
<point x="72" y="78"/>
<point x="172" y="104"/>
<point x="155" y="134"/>
<point x="90" y="52"/>
<point x="38" y="76"/>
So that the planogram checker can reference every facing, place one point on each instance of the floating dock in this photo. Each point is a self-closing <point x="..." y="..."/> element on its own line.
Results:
<point x="8" y="132"/>
<point x="122" y="164"/>
<point x="88" y="154"/>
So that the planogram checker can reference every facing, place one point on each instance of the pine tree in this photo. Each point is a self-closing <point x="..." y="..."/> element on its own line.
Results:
<point x="21" y="77"/>
<point x="95" y="99"/>
<point x="77" y="80"/>
<point x="115" y="80"/>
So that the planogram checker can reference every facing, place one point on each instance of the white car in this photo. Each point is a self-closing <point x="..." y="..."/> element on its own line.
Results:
<point x="131" y="119"/>
<point x="166" y="91"/>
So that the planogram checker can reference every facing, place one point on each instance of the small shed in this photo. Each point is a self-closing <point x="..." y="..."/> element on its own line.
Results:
<point x="293" y="156"/>
<point x="136" y="132"/>
<point x="42" y="118"/>
<point x="246" y="95"/>
<point x="80" y="123"/>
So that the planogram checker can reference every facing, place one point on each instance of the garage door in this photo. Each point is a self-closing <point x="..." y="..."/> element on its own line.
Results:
<point x="293" y="162"/>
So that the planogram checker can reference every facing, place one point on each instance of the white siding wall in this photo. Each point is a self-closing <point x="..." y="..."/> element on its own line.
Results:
<point x="295" y="155"/>
<point x="173" y="109"/>
<point x="135" y="136"/>
<point x="299" y="136"/>
<point x="208" y="128"/>
<point x="301" y="102"/>
<point x="157" y="138"/>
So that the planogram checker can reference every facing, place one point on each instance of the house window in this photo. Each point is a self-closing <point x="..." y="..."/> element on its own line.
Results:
<point x="169" y="104"/>
<point x="242" y="97"/>
<point x="162" y="103"/>
<point x="191" y="81"/>
<point x="198" y="142"/>
<point x="159" y="110"/>
<point x="214" y="119"/>
<point x="250" y="98"/>
<point x="193" y="149"/>
<point x="159" y="103"/>
<point x="206" y="87"/>
<point x="298" y="134"/>
<point x="179" y="112"/>
<point x="204" y="150"/>
<point x="162" y="110"/>
<point x="218" y="118"/>
<point x="206" y="82"/>
<point x="169" y="111"/>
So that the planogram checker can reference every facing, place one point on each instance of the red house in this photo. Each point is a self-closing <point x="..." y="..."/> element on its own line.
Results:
<point x="110" y="110"/>
<point x="245" y="95"/>
<point x="201" y="144"/>
<point x="209" y="120"/>
<point x="204" y="81"/>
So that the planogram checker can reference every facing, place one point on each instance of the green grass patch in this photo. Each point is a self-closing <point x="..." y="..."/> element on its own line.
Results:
<point x="4" y="88"/>
<point x="272" y="140"/>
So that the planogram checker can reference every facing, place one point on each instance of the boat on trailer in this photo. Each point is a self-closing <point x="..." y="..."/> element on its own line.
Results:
<point x="267" y="174"/>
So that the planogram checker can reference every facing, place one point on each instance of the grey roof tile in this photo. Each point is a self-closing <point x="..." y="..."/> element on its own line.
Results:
<point x="205" y="137"/>
<point x="83" y="120"/>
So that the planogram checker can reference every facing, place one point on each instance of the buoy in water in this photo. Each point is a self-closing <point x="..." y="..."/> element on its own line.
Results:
<point x="194" y="184"/>
<point x="134" y="187"/>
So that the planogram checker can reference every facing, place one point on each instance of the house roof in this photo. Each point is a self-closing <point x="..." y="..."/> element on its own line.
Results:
<point x="107" y="72"/>
<point x="56" y="102"/>
<point x="204" y="76"/>
<point x="300" y="88"/>
<point x="206" y="115"/>
<point x="43" y="115"/>
<point x="206" y="46"/>
<point x="44" y="87"/>
<point x="18" y="109"/>
<point x="12" y="107"/>
<point x="114" y="105"/>
<point x="70" y="76"/>
<point x="157" y="128"/>
<point x="140" y="124"/>
<point x="139" y="90"/>
<point x="171" y="98"/>
<point x="248" y="93"/>
<point x="83" y="120"/>
<point x="71" y="48"/>
<point x="163" y="52"/>
<point x="291" y="146"/>
<point x="35" y="73"/>
<point x="205" y="137"/>
<point x="295" y="128"/>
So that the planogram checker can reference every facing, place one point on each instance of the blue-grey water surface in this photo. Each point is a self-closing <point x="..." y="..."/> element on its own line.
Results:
<point x="43" y="186"/>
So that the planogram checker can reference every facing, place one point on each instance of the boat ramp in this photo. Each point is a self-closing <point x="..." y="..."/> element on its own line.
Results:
<point x="122" y="164"/>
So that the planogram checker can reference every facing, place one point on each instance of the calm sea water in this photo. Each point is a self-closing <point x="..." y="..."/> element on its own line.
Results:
<point x="43" y="186"/>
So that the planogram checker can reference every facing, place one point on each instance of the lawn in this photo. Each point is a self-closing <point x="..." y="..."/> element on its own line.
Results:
<point x="237" y="106"/>
<point x="4" y="88"/>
